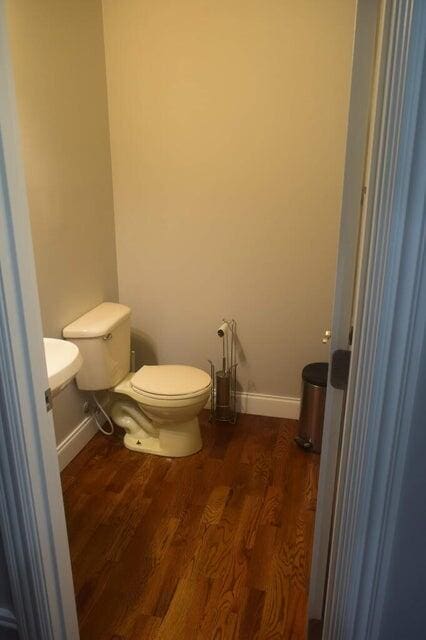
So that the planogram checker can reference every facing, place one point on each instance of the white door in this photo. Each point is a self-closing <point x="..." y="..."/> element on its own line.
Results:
<point x="367" y="40"/>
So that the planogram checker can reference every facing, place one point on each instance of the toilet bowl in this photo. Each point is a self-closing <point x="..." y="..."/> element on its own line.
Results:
<point x="168" y="401"/>
<point x="157" y="406"/>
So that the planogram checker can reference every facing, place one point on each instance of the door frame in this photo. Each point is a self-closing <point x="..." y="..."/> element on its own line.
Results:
<point x="367" y="43"/>
<point x="31" y="505"/>
<point x="388" y="336"/>
<point x="33" y="527"/>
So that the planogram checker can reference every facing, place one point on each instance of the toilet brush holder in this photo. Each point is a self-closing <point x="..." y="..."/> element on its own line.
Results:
<point x="223" y="395"/>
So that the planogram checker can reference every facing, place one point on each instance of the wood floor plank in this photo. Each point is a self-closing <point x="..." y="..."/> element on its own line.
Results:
<point x="185" y="611"/>
<point x="216" y="546"/>
<point x="252" y="614"/>
<point x="110" y="539"/>
<point x="284" y="612"/>
<point x="261" y="558"/>
<point x="136" y="627"/>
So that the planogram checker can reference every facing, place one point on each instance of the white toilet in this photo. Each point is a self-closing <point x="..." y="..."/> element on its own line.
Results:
<point x="158" y="406"/>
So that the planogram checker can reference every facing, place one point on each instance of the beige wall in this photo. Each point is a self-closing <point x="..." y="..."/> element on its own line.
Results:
<point x="59" y="65"/>
<point x="227" y="124"/>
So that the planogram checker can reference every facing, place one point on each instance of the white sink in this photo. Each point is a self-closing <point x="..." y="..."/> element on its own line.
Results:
<point x="63" y="361"/>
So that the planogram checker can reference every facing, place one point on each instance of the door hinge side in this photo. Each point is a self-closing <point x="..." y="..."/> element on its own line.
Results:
<point x="340" y="363"/>
<point x="48" y="399"/>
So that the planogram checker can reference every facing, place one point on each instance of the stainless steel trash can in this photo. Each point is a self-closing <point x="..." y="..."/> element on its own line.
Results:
<point x="311" y="419"/>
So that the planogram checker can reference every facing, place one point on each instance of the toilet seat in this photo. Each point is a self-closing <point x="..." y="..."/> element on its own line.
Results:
<point x="174" y="382"/>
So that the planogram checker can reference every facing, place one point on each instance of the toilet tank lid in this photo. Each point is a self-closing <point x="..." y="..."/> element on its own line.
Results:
<point x="98" y="321"/>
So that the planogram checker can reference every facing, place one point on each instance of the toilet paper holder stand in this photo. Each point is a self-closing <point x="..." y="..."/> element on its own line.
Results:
<point x="223" y="398"/>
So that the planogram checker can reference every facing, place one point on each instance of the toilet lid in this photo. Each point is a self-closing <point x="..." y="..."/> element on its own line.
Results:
<point x="170" y="380"/>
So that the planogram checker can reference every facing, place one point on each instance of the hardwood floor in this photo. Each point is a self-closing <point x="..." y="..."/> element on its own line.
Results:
<point x="216" y="546"/>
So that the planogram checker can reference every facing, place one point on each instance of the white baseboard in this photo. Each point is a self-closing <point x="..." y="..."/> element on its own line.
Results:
<point x="75" y="441"/>
<point x="261" y="404"/>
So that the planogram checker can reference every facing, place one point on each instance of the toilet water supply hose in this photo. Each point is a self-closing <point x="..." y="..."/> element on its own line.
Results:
<point x="104" y="413"/>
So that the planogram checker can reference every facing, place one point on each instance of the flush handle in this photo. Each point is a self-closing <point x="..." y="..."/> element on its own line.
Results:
<point x="108" y="336"/>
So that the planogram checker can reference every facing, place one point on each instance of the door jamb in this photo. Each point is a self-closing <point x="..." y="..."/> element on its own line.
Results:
<point x="33" y="523"/>
<point x="389" y="332"/>
<point x="33" y="526"/>
<point x="365" y="49"/>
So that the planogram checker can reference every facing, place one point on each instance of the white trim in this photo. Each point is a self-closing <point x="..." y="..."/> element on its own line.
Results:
<point x="75" y="441"/>
<point x="261" y="404"/>
<point x="387" y="344"/>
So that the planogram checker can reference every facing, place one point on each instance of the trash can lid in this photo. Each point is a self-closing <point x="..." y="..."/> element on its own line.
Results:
<point x="316" y="373"/>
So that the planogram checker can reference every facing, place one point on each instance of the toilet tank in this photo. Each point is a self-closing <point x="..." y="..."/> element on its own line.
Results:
<point x="103" y="338"/>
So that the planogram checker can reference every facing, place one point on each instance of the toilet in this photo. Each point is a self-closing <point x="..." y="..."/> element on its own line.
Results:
<point x="158" y="406"/>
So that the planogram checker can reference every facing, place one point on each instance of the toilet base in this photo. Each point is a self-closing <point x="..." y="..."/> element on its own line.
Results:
<point x="174" y="440"/>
